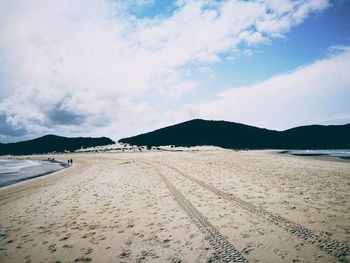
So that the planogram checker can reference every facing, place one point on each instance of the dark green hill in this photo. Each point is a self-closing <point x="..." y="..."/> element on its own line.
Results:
<point x="239" y="136"/>
<point x="52" y="143"/>
<point x="317" y="137"/>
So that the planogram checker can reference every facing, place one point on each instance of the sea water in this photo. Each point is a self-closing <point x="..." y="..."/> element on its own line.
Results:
<point x="13" y="171"/>
<point x="339" y="153"/>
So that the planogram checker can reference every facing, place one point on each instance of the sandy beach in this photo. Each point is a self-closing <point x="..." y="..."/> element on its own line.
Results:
<point x="210" y="205"/>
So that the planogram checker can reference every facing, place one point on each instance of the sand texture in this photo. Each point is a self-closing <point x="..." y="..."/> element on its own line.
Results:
<point x="208" y="205"/>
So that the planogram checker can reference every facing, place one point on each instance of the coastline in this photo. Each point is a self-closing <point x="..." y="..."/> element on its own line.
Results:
<point x="117" y="208"/>
<point x="318" y="154"/>
<point x="44" y="167"/>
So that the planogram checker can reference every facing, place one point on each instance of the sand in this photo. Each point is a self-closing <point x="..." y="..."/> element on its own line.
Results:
<point x="208" y="205"/>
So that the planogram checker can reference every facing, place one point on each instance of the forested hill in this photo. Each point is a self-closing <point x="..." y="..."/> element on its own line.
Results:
<point x="52" y="143"/>
<point x="233" y="135"/>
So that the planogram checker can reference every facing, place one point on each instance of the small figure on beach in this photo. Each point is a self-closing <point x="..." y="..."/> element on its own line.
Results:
<point x="71" y="161"/>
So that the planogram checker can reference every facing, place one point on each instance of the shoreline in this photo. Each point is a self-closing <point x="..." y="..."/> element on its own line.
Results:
<point x="41" y="171"/>
<point x="318" y="156"/>
<point x="23" y="181"/>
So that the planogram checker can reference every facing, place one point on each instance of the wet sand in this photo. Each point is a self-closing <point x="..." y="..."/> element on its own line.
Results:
<point x="211" y="205"/>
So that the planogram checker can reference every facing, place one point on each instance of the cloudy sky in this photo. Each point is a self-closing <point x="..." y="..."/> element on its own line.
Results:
<point x="119" y="68"/>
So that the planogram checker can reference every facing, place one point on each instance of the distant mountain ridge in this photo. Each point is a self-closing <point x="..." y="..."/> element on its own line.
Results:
<point x="233" y="135"/>
<point x="52" y="143"/>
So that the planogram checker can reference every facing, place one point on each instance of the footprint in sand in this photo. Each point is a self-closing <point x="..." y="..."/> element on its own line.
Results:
<point x="64" y="238"/>
<point x="68" y="246"/>
<point x="27" y="259"/>
<point x="83" y="259"/>
<point x="52" y="248"/>
<point x="125" y="254"/>
<point x="88" y="235"/>
<point x="88" y="251"/>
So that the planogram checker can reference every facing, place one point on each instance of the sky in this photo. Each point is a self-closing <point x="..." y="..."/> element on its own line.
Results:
<point x="120" y="68"/>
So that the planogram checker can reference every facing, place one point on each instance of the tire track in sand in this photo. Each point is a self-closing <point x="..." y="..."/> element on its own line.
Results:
<point x="332" y="247"/>
<point x="224" y="250"/>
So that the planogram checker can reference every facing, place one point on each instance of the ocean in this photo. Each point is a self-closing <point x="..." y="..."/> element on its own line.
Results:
<point x="13" y="171"/>
<point x="343" y="154"/>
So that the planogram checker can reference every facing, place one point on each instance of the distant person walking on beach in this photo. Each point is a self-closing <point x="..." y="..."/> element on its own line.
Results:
<point x="71" y="161"/>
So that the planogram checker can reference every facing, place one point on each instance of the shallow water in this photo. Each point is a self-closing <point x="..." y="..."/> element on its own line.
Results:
<point x="339" y="153"/>
<point x="13" y="171"/>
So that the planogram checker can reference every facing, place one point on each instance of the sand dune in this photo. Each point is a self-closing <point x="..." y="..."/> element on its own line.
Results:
<point x="204" y="206"/>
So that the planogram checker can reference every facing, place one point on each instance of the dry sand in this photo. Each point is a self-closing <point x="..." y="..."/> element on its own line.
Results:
<point x="201" y="206"/>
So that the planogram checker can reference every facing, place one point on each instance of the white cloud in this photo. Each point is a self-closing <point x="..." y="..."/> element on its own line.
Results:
<point x="315" y="93"/>
<point x="84" y="63"/>
<point x="285" y="14"/>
